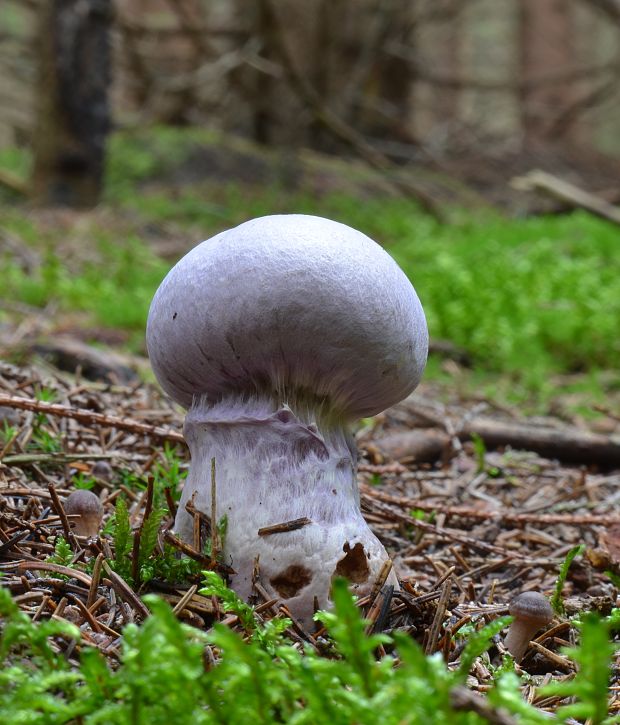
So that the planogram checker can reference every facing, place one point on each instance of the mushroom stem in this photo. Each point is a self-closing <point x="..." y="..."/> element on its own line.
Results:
<point x="518" y="638"/>
<point x="531" y="612"/>
<point x="277" y="465"/>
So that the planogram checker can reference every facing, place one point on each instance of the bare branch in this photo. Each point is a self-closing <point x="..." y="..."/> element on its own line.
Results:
<point x="570" y="115"/>
<point x="609" y="7"/>
<point x="540" y="180"/>
<point x="312" y="100"/>
<point x="569" y="75"/>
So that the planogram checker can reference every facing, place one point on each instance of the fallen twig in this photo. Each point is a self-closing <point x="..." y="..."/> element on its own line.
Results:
<point x="445" y="534"/>
<point x="90" y="417"/>
<point x="56" y="569"/>
<point x="500" y="516"/>
<point x="568" y="193"/>
<point x="565" y="444"/>
<point x="284" y="527"/>
<point x="124" y="591"/>
<point x="58" y="458"/>
<point x="442" y="605"/>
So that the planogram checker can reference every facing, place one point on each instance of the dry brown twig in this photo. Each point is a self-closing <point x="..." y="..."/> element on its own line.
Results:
<point x="90" y="417"/>
<point x="568" y="193"/>
<point x="566" y="444"/>
<point x="503" y="515"/>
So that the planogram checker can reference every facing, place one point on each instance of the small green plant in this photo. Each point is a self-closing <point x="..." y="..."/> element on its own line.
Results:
<point x="416" y="534"/>
<point x="480" y="453"/>
<point x="589" y="686"/>
<point x="132" y="480"/>
<point x="214" y="587"/>
<point x="421" y="515"/>
<point x="81" y="480"/>
<point x="44" y="441"/>
<point x="8" y="433"/>
<point x="63" y="555"/>
<point x="556" y="599"/>
<point x="123" y="539"/>
<point x="613" y="577"/>
<point x="261" y="676"/>
<point x="45" y="395"/>
<point x="167" y="565"/>
<point x="171" y="567"/>
<point x="148" y="541"/>
<point x="168" y="473"/>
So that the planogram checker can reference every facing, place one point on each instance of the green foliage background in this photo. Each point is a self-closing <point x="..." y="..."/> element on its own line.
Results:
<point x="528" y="298"/>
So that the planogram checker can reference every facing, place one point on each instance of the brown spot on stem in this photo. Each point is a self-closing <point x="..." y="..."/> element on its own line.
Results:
<point x="289" y="582"/>
<point x="354" y="564"/>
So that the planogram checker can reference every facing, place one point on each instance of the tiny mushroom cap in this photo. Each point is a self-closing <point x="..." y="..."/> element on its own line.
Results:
<point x="531" y="612"/>
<point x="87" y="510"/>
<point x="277" y="335"/>
<point x="102" y="469"/>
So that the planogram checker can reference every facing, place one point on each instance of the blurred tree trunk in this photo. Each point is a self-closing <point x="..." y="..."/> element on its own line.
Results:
<point x="438" y="44"/>
<point x="73" y="113"/>
<point x="546" y="45"/>
<point x="339" y="48"/>
<point x="394" y="74"/>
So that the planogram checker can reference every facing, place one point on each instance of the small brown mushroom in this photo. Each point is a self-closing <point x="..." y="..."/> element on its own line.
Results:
<point x="102" y="469"/>
<point x="88" y="512"/>
<point x="531" y="611"/>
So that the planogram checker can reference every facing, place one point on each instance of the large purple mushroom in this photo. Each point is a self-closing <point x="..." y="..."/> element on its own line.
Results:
<point x="277" y="335"/>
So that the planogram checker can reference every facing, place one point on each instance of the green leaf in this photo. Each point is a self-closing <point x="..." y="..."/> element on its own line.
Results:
<point x="230" y="601"/>
<point x="590" y="684"/>
<point x="348" y="630"/>
<point x="478" y="643"/>
<point x="122" y="538"/>
<point x="556" y="599"/>
<point x="149" y="534"/>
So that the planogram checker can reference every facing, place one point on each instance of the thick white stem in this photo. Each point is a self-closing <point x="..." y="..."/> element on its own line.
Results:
<point x="273" y="467"/>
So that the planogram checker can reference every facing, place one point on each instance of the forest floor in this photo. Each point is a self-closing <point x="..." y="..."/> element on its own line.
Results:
<point x="478" y="494"/>
<point x="467" y="530"/>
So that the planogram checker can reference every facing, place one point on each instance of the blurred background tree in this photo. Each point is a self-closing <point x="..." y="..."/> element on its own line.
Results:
<point x="72" y="111"/>
<point x="437" y="83"/>
<point x="415" y="121"/>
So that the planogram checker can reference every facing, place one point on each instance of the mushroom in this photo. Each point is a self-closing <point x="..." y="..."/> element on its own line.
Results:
<point x="531" y="612"/>
<point x="277" y="335"/>
<point x="103" y="470"/>
<point x="88" y="512"/>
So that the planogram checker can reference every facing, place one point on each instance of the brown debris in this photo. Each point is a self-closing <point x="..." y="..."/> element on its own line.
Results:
<point x="566" y="444"/>
<point x="284" y="527"/>
<point x="465" y="535"/>
<point x="89" y="417"/>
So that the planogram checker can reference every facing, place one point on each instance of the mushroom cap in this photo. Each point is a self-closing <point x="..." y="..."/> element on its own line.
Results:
<point x="294" y="305"/>
<point x="531" y="607"/>
<point x="87" y="506"/>
<point x="102" y="469"/>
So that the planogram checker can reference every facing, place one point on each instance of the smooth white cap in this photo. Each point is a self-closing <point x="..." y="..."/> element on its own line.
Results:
<point x="289" y="305"/>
